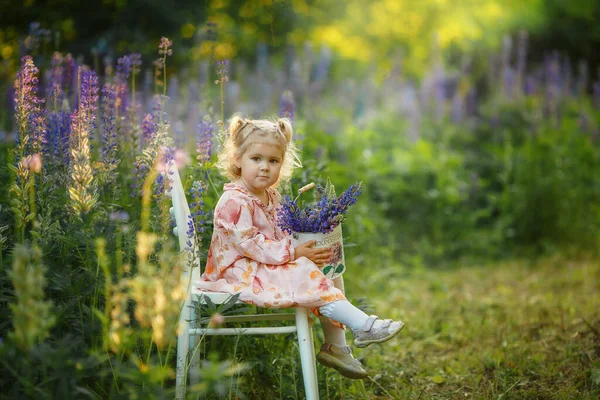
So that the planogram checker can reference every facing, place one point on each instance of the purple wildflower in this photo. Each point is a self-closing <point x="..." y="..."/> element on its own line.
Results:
<point x="54" y="86"/>
<point x="287" y="107"/>
<point x="109" y="131"/>
<point x="164" y="48"/>
<point x="28" y="112"/>
<point x="197" y="206"/>
<point x="69" y="74"/>
<point x="204" y="142"/>
<point x="223" y="71"/>
<point x="320" y="217"/>
<point x="59" y="132"/>
<point x="149" y="127"/>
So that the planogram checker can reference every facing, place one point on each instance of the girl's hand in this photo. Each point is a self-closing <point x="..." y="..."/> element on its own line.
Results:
<point x="318" y="255"/>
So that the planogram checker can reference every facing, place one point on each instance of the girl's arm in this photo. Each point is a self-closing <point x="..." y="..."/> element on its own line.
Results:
<point x="235" y="218"/>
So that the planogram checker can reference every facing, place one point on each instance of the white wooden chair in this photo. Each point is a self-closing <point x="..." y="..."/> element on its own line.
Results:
<point x="187" y="354"/>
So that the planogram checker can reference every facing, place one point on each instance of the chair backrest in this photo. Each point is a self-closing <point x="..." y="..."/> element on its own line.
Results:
<point x="184" y="229"/>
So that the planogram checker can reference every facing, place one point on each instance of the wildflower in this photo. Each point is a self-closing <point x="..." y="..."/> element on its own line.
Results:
<point x="58" y="133"/>
<point x="320" y="217"/>
<point x="82" y="191"/>
<point x="149" y="126"/>
<point x="54" y="86"/>
<point x="69" y="73"/>
<point x="28" y="108"/>
<point x="124" y="65"/>
<point x="165" y="47"/>
<point x="287" y="106"/>
<point x="222" y="71"/>
<point x="109" y="131"/>
<point x="204" y="141"/>
<point x="118" y="216"/>
<point x="197" y="207"/>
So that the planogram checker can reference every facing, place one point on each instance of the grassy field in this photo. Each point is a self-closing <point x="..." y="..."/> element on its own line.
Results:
<point x="512" y="331"/>
<point x="517" y="330"/>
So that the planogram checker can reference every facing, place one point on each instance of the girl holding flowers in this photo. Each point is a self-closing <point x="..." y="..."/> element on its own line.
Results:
<point x="251" y="255"/>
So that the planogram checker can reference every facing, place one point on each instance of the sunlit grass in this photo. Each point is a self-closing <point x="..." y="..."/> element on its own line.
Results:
<point x="511" y="330"/>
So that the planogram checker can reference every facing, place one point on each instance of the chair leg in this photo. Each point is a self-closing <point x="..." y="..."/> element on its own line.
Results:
<point x="195" y="355"/>
<point x="183" y="348"/>
<point x="312" y="347"/>
<point x="309" y="372"/>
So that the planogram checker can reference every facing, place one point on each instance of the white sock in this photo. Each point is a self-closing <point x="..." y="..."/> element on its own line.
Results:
<point x="344" y="312"/>
<point x="333" y="334"/>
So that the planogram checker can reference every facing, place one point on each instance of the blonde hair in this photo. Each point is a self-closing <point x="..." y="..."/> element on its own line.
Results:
<point x="243" y="132"/>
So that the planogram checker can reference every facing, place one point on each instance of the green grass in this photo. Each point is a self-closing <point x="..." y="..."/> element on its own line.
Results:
<point x="510" y="331"/>
<point x="515" y="330"/>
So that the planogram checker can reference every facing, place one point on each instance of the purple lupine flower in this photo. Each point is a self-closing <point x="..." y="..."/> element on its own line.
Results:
<point x="531" y="85"/>
<point x="140" y="170"/>
<point x="28" y="112"/>
<point x="149" y="127"/>
<point x="69" y="74"/>
<point x="164" y="48"/>
<point x="223" y="71"/>
<point x="158" y="112"/>
<point x="109" y="131"/>
<point x="119" y="216"/>
<point x="124" y="65"/>
<point x="89" y="98"/>
<point x="136" y="62"/>
<point x="322" y="68"/>
<point x="59" y="133"/>
<point x="197" y="206"/>
<point x="204" y="141"/>
<point x="54" y="84"/>
<point x="287" y="107"/>
<point x="166" y="155"/>
<point x="322" y="216"/>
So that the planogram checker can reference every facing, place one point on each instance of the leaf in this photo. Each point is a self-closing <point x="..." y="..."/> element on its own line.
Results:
<point x="438" y="379"/>
<point x="339" y="269"/>
<point x="327" y="269"/>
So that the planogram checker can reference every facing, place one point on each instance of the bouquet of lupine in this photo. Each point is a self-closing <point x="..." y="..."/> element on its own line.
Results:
<point x="322" y="216"/>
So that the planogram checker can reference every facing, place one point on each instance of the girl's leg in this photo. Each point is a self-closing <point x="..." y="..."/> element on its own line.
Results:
<point x="333" y="334"/>
<point x="366" y="329"/>
<point x="335" y="353"/>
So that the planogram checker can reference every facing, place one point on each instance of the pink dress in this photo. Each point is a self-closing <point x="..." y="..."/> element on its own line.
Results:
<point x="249" y="254"/>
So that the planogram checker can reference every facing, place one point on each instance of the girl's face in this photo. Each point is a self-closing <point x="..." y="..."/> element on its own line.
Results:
<point x="260" y="166"/>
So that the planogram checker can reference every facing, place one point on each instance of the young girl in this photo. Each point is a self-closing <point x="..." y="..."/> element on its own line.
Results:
<point x="250" y="254"/>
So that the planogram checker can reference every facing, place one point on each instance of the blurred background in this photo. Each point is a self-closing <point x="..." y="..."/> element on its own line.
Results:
<point x="472" y="123"/>
<point x="473" y="126"/>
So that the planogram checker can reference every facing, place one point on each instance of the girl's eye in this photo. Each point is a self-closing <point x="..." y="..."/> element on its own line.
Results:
<point x="274" y="161"/>
<point x="256" y="159"/>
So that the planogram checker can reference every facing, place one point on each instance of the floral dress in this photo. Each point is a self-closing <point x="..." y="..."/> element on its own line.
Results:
<point x="250" y="255"/>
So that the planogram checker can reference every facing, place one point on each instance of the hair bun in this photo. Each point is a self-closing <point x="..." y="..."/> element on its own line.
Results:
<point x="285" y="126"/>
<point x="235" y="125"/>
